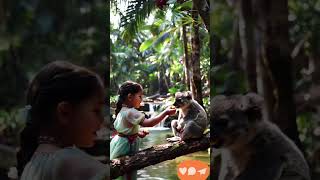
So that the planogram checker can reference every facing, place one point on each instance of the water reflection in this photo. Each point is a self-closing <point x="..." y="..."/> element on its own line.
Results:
<point x="167" y="169"/>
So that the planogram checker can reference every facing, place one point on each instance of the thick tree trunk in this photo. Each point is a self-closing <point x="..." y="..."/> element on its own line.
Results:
<point x="186" y="56"/>
<point x="214" y="60"/>
<point x="264" y="85"/>
<point x="203" y="8"/>
<point x="272" y="27"/>
<point x="236" y="60"/>
<point x="196" y="86"/>
<point x="163" y="87"/>
<point x="244" y="9"/>
<point x="315" y="57"/>
<point x="2" y="12"/>
<point x="157" y="154"/>
<point x="13" y="92"/>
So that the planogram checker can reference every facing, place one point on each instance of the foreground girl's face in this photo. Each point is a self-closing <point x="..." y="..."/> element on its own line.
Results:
<point x="87" y="120"/>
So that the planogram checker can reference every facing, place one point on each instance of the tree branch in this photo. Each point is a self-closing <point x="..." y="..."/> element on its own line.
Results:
<point x="157" y="154"/>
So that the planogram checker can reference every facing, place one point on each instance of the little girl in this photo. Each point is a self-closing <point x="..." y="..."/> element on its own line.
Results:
<point x="66" y="103"/>
<point x="127" y="123"/>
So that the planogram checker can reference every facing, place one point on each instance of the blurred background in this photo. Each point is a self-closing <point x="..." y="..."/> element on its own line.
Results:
<point x="272" y="48"/>
<point x="33" y="33"/>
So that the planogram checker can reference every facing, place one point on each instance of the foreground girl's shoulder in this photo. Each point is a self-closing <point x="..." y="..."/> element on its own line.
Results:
<point x="72" y="163"/>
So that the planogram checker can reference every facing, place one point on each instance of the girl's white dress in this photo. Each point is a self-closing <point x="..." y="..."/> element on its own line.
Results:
<point x="126" y="123"/>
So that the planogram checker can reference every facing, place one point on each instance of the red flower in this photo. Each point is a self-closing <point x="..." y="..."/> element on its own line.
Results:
<point x="161" y="3"/>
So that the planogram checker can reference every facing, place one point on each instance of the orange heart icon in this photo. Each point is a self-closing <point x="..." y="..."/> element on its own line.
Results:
<point x="193" y="169"/>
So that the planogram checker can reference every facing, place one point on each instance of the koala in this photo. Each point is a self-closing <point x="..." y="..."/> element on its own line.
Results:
<point x="192" y="118"/>
<point x="252" y="148"/>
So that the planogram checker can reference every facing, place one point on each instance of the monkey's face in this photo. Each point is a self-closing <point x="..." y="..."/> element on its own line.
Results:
<point x="229" y="128"/>
<point x="182" y="99"/>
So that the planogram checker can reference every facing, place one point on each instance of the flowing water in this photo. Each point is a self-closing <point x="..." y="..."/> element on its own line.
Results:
<point x="166" y="170"/>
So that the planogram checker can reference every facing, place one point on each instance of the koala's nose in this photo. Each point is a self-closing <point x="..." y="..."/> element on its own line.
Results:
<point x="175" y="104"/>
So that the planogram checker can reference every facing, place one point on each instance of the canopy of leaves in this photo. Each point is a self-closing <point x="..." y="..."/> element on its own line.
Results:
<point x="153" y="49"/>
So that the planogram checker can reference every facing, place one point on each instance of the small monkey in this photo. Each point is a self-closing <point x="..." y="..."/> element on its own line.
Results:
<point x="192" y="119"/>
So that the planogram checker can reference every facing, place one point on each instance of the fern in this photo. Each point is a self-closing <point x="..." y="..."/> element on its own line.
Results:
<point x="136" y="12"/>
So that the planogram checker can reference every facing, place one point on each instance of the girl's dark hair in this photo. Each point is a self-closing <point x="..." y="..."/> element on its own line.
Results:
<point x="56" y="82"/>
<point x="128" y="87"/>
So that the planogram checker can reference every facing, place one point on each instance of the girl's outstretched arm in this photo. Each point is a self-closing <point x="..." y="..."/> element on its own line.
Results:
<point x="155" y="120"/>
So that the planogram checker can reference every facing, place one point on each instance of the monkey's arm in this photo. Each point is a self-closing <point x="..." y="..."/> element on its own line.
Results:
<point x="179" y="115"/>
<point x="263" y="168"/>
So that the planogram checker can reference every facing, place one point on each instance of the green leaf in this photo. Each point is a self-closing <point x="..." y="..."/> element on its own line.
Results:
<point x="145" y="45"/>
<point x="173" y="90"/>
<point x="185" y="5"/>
<point x="135" y="14"/>
<point x="161" y="39"/>
<point x="158" y="47"/>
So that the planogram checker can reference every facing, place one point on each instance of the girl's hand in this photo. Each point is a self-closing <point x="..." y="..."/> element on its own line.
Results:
<point x="143" y="133"/>
<point x="171" y="111"/>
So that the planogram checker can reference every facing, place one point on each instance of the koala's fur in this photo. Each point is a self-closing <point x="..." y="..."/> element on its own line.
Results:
<point x="251" y="148"/>
<point x="192" y="119"/>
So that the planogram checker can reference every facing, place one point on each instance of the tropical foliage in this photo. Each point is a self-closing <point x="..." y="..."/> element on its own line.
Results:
<point x="149" y="46"/>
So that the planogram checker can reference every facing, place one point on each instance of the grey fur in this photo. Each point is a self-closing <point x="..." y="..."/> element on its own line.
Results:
<point x="192" y="117"/>
<point x="255" y="149"/>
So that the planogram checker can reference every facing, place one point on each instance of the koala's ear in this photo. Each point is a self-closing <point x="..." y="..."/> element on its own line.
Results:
<point x="248" y="101"/>
<point x="188" y="94"/>
<point x="254" y="100"/>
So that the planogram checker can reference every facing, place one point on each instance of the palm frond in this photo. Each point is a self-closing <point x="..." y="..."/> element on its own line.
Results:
<point x="136" y="12"/>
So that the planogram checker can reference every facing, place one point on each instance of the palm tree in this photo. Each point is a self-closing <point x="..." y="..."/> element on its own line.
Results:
<point x="138" y="10"/>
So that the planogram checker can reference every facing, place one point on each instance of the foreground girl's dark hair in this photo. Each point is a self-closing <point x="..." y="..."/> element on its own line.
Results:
<point x="56" y="82"/>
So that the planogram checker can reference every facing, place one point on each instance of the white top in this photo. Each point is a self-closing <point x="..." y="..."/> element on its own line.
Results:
<point x="65" y="164"/>
<point x="128" y="120"/>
